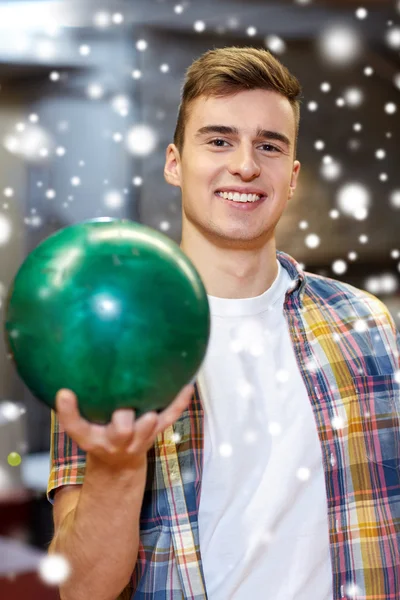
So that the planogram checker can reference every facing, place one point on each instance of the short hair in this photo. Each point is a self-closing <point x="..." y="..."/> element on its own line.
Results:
<point x="226" y="71"/>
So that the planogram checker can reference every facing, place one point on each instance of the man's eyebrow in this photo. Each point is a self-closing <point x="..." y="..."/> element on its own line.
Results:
<point x="222" y="129"/>
<point x="274" y="135"/>
<point x="261" y="133"/>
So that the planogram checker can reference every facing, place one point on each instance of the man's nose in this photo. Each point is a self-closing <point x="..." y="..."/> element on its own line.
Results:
<point x="244" y="163"/>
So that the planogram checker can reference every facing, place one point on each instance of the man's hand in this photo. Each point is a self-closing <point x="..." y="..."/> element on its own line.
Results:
<point x="125" y="441"/>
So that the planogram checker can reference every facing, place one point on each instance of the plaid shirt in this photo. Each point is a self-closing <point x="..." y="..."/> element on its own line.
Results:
<point x="345" y="344"/>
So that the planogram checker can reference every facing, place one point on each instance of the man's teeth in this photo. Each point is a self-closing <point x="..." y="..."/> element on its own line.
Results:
<point x="236" y="197"/>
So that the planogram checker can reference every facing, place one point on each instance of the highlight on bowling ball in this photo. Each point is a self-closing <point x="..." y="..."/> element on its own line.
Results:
<point x="112" y="310"/>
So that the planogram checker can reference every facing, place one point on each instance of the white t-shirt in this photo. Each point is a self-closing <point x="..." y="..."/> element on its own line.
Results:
<point x="263" y="521"/>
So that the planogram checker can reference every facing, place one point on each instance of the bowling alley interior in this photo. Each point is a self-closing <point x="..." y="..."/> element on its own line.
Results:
<point x="89" y="94"/>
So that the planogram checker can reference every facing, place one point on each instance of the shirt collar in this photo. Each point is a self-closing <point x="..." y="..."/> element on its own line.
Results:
<point x="297" y="275"/>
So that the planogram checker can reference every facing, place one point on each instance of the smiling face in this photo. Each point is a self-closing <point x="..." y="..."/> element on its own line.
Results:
<point x="237" y="168"/>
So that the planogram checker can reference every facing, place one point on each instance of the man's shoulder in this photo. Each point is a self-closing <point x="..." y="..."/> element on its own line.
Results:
<point x="333" y="292"/>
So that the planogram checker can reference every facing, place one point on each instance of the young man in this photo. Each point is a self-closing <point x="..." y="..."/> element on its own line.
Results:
<point x="279" y="478"/>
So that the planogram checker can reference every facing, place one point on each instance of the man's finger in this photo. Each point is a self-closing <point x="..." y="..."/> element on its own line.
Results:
<point x="120" y="429"/>
<point x="70" y="418"/>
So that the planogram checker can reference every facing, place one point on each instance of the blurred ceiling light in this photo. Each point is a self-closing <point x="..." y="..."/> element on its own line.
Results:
<point x="36" y="16"/>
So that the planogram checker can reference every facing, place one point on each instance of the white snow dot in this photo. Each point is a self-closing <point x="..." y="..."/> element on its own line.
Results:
<point x="319" y="145"/>
<point x="330" y="169"/>
<point x="10" y="411"/>
<point x="312" y="106"/>
<point x="337" y="421"/>
<point x="380" y="154"/>
<point x="50" y="194"/>
<point x="353" y="591"/>
<point x="164" y="68"/>
<point x="361" y="13"/>
<point x="282" y="375"/>
<point x="373" y="285"/>
<point x="137" y="181"/>
<point x="54" y="569"/>
<point x="141" y="140"/>
<point x="389" y="283"/>
<point x="251" y="31"/>
<point x="102" y="19"/>
<point x="353" y="96"/>
<point x="312" y="240"/>
<point x="303" y="225"/>
<point x="390" y="108"/>
<point x="178" y="8"/>
<point x="75" y="181"/>
<point x="95" y="91"/>
<point x="199" y="26"/>
<point x="84" y="50"/>
<point x="136" y="74"/>
<point x="8" y="192"/>
<point x="117" y="18"/>
<point x="113" y="199"/>
<point x="60" y="151"/>
<point x="340" y="45"/>
<point x="274" y="428"/>
<point x="311" y="365"/>
<point x="250" y="436"/>
<point x="275" y="43"/>
<point x="363" y="239"/>
<point x="396" y="80"/>
<point x="393" y="38"/>
<point x="352" y="256"/>
<point x="325" y="87"/>
<point x="360" y="325"/>
<point x="303" y="473"/>
<point x="339" y="267"/>
<point x="225" y="450"/>
<point x="334" y="214"/>
<point x="165" y="225"/>
<point x="394" y="199"/>
<point x="353" y="200"/>
<point x="368" y="71"/>
<point x="54" y="76"/>
<point x="141" y="45"/>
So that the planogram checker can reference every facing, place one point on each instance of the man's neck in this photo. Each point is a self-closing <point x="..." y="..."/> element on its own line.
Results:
<point x="229" y="272"/>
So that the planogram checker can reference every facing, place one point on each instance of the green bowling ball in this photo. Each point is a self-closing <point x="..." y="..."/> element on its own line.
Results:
<point x="112" y="310"/>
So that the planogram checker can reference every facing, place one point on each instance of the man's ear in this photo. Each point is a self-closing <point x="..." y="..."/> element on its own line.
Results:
<point x="172" y="168"/>
<point x="293" y="180"/>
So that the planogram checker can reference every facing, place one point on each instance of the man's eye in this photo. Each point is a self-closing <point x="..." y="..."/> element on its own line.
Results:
<point x="270" y="148"/>
<point x="218" y="143"/>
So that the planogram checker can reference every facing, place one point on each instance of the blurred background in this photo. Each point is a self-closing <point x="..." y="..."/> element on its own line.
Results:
<point x="89" y="93"/>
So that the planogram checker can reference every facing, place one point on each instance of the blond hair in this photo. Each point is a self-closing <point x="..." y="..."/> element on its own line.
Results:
<point x="226" y="71"/>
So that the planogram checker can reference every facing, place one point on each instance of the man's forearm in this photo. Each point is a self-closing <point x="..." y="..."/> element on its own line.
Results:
<point x="100" y="537"/>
